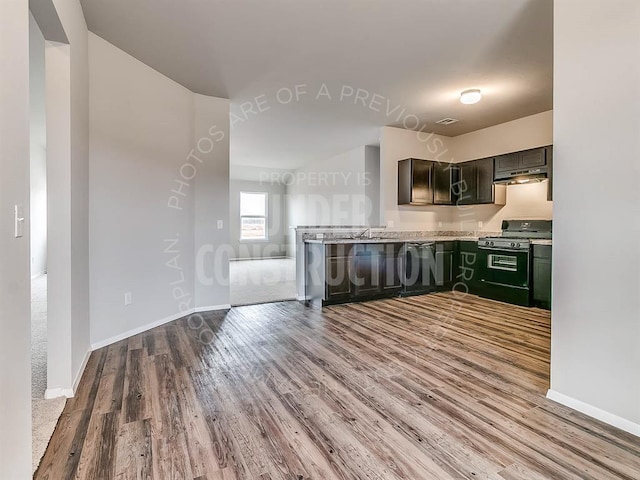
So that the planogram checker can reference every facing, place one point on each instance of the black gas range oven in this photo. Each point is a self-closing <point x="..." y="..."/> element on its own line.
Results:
<point x="505" y="262"/>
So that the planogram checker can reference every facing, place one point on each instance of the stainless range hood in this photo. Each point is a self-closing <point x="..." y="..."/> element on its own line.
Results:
<point x="537" y="174"/>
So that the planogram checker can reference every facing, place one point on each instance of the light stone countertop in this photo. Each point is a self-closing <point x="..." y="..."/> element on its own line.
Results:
<point x="542" y="241"/>
<point x="335" y="241"/>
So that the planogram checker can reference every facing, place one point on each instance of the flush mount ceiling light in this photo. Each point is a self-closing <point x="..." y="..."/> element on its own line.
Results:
<point x="469" y="97"/>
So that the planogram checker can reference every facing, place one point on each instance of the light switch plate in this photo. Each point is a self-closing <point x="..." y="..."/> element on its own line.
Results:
<point x="128" y="300"/>
<point x="480" y="224"/>
<point x="220" y="224"/>
<point x="18" y="211"/>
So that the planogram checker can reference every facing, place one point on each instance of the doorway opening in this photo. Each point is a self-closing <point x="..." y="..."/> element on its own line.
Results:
<point x="45" y="413"/>
<point x="261" y="269"/>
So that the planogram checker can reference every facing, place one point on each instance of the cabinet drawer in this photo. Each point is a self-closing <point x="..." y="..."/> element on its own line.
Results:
<point x="339" y="250"/>
<point x="446" y="246"/>
<point x="542" y="251"/>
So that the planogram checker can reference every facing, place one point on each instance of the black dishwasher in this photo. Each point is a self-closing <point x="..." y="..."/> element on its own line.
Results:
<point x="420" y="267"/>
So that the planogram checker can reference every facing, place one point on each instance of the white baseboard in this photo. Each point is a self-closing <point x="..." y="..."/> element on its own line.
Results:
<point x="595" y="412"/>
<point x="157" y="323"/>
<point x="50" y="393"/>
<point x="303" y="298"/>
<point x="69" y="392"/>
<point x="245" y="259"/>
<point x="211" y="308"/>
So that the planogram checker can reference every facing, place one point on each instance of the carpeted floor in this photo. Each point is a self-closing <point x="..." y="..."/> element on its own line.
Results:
<point x="45" y="413"/>
<point x="262" y="281"/>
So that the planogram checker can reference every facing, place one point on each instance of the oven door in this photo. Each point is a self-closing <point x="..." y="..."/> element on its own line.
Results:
<point x="504" y="267"/>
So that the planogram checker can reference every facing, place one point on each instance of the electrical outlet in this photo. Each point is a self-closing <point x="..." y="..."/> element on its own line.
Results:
<point x="220" y="224"/>
<point x="127" y="298"/>
<point x="389" y="223"/>
<point x="480" y="224"/>
<point x="439" y="224"/>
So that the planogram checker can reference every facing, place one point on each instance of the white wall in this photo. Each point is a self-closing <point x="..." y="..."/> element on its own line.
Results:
<point x="37" y="150"/>
<point x="331" y="192"/>
<point x="397" y="144"/>
<point x="157" y="192"/>
<point x="15" y="362"/>
<point x="276" y="245"/>
<point x="521" y="134"/>
<point x="595" y="340"/>
<point x="141" y="135"/>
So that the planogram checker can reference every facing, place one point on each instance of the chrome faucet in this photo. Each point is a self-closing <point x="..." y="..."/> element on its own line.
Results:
<point x="365" y="234"/>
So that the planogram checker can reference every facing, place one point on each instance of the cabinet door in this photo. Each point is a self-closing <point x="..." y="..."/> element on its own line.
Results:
<point x="508" y="162"/>
<point x="338" y="278"/>
<point x="444" y="268"/>
<point x="531" y="158"/>
<point x="467" y="265"/>
<point x="443" y="179"/>
<point x="467" y="183"/>
<point x="484" y="179"/>
<point x="367" y="274"/>
<point x="390" y="273"/>
<point x="542" y="281"/>
<point x="422" y="187"/>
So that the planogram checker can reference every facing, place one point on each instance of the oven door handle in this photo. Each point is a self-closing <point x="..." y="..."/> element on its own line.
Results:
<point x="505" y="250"/>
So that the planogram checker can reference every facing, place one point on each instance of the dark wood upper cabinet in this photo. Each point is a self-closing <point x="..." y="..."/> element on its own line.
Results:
<point x="485" y="189"/>
<point x="476" y="183"/>
<point x="508" y="162"/>
<point x="445" y="176"/>
<point x="467" y="183"/>
<point x="524" y="160"/>
<point x="415" y="182"/>
<point x="536" y="157"/>
<point x="425" y="182"/>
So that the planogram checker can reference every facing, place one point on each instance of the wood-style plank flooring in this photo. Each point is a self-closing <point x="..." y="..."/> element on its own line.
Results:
<point x="431" y="387"/>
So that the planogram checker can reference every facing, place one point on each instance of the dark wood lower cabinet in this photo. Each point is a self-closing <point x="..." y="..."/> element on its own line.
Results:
<point x="466" y="267"/>
<point x="341" y="273"/>
<point x="444" y="265"/>
<point x="542" y="276"/>
<point x="338" y="279"/>
<point x="367" y="274"/>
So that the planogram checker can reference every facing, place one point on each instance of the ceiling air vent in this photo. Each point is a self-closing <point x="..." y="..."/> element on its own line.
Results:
<point x="446" y="121"/>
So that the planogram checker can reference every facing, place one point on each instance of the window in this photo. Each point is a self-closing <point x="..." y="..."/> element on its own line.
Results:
<point x="253" y="216"/>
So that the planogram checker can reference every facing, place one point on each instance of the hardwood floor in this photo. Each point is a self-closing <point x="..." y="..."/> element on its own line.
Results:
<point x="431" y="387"/>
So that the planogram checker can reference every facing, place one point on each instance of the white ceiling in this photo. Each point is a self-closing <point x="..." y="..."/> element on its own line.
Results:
<point x="416" y="55"/>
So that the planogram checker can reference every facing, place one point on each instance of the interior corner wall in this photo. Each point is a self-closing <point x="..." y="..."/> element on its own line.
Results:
<point x="372" y="183"/>
<point x="595" y="325"/>
<point x="397" y="144"/>
<point x="276" y="244"/>
<point x="67" y="125"/>
<point x="15" y="361"/>
<point x="211" y="215"/>
<point x="142" y="194"/>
